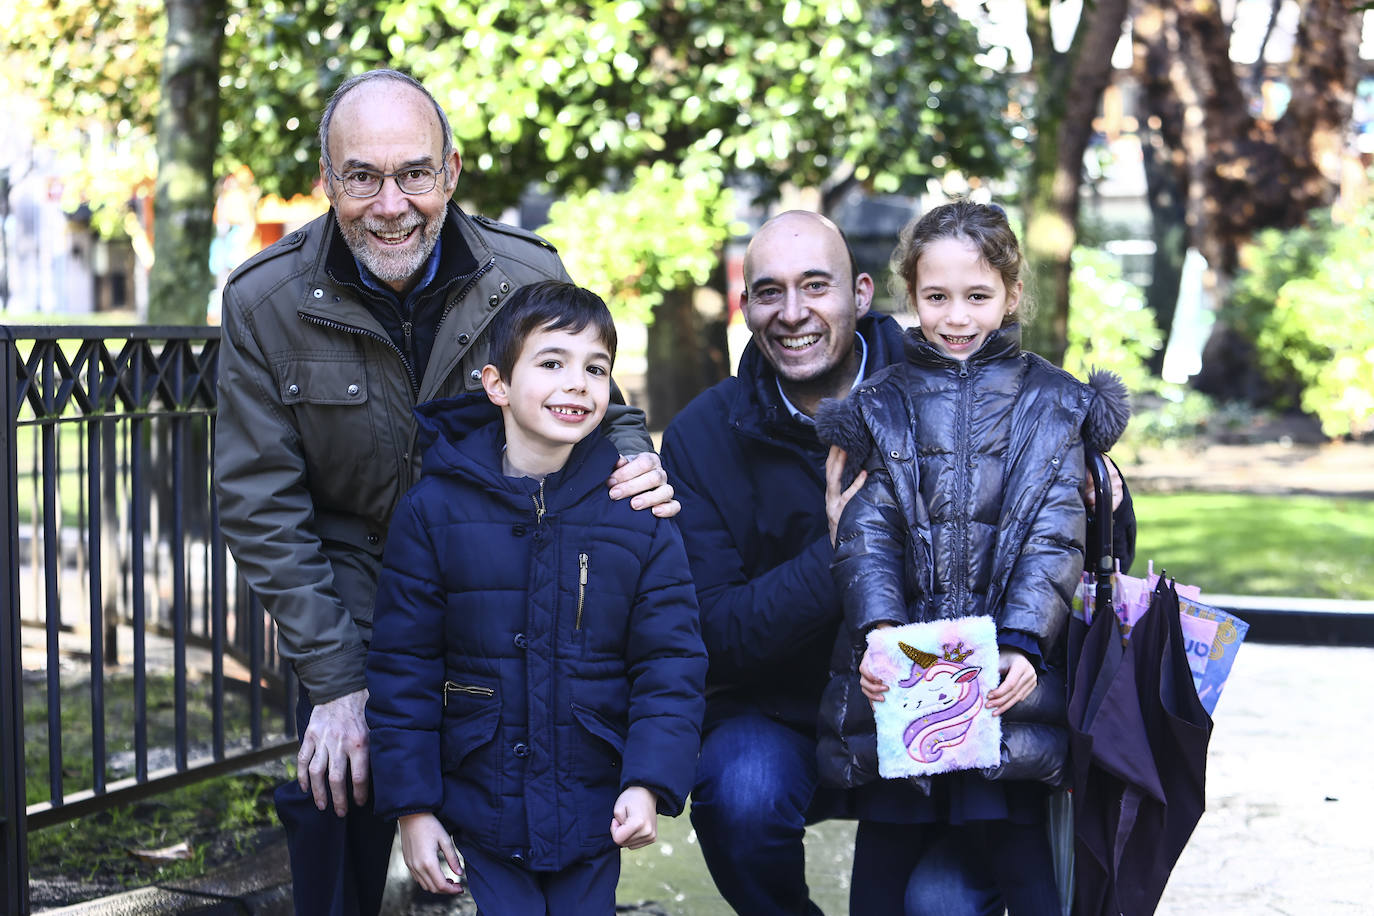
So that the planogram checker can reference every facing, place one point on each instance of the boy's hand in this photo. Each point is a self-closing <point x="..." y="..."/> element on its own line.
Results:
<point x="635" y="821"/>
<point x="644" y="478"/>
<point x="836" y="498"/>
<point x="1018" y="680"/>
<point x="427" y="848"/>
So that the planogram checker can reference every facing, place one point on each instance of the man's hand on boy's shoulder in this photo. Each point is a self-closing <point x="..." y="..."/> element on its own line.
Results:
<point x="643" y="479"/>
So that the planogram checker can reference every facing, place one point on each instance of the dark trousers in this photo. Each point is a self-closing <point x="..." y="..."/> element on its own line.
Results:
<point x="756" y="782"/>
<point x="500" y="887"/>
<point x="941" y="870"/>
<point x="338" y="864"/>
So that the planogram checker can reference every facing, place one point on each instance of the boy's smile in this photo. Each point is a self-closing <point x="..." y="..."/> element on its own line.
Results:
<point x="556" y="395"/>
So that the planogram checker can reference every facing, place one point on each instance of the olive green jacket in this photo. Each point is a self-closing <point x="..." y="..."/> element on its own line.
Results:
<point x="315" y="440"/>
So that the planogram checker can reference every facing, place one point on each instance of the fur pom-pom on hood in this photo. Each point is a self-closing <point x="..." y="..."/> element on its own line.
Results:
<point x="1109" y="412"/>
<point x="840" y="423"/>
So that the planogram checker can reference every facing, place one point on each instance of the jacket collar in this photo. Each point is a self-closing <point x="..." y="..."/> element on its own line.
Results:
<point x="465" y="436"/>
<point x="758" y="408"/>
<point x="1000" y="344"/>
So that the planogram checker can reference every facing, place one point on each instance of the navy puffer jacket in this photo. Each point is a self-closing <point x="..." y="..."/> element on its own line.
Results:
<point x="537" y="650"/>
<point x="972" y="506"/>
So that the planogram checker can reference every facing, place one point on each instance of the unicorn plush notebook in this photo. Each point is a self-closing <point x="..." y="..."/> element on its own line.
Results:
<point x="934" y="716"/>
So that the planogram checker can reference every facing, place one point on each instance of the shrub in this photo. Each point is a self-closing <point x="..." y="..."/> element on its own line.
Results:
<point x="1306" y="299"/>
<point x="1109" y="325"/>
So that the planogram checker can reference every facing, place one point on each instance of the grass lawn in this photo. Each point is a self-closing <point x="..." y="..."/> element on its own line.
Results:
<point x="1239" y="544"/>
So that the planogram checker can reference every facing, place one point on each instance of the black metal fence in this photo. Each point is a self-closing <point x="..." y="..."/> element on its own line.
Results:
<point x="121" y="622"/>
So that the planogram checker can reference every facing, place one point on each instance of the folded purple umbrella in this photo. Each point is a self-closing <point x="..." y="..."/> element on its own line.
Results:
<point x="1138" y="736"/>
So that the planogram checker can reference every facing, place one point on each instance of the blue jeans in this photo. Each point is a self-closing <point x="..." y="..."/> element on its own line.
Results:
<point x="978" y="869"/>
<point x="756" y="784"/>
<point x="338" y="864"/>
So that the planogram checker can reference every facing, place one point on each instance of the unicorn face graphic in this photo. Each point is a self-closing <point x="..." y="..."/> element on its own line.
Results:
<point x="942" y="695"/>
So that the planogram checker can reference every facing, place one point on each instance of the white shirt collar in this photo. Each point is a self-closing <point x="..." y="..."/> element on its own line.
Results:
<point x="858" y="377"/>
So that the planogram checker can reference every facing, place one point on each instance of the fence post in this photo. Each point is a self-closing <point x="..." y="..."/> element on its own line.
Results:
<point x="14" y="858"/>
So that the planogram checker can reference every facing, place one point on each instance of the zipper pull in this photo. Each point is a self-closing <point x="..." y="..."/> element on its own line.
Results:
<point x="963" y="369"/>
<point x="539" y="504"/>
<point x="448" y="685"/>
<point x="581" y="588"/>
<point x="406" y="328"/>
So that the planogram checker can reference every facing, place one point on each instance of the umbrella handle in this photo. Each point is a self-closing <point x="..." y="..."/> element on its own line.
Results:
<point x="1100" y="561"/>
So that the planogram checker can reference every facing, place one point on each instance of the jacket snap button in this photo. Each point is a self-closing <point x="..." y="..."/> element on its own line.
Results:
<point x="895" y="454"/>
<point x="293" y="390"/>
<point x="373" y="539"/>
<point x="520" y="641"/>
<point x="517" y="858"/>
<point x="521" y="750"/>
<point x="505" y="287"/>
<point x="476" y="375"/>
<point x="463" y="338"/>
<point x="493" y="299"/>
<point x="352" y="391"/>
<point x="318" y="293"/>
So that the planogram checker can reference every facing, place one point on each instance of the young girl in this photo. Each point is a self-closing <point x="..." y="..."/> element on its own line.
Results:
<point x="973" y="451"/>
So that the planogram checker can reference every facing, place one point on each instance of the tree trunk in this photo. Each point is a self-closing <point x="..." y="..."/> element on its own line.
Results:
<point x="1068" y="90"/>
<point x="686" y="354"/>
<point x="1166" y="171"/>
<point x="188" y="131"/>
<point x="1246" y="173"/>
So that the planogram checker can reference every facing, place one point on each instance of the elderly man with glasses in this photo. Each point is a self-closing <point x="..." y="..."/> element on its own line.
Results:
<point x="331" y="337"/>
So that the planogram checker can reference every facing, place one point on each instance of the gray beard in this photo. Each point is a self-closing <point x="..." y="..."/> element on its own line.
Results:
<point x="392" y="268"/>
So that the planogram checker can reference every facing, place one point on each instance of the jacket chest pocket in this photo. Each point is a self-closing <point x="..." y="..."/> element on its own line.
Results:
<point x="329" y="397"/>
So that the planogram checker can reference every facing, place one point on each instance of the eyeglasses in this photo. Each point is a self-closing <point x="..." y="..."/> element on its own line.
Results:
<point x="365" y="183"/>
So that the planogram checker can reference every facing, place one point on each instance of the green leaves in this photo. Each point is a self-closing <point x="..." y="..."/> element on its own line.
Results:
<point x="1320" y="329"/>
<point x="664" y="231"/>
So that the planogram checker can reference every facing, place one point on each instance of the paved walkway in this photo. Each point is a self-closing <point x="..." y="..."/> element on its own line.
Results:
<point x="1289" y="827"/>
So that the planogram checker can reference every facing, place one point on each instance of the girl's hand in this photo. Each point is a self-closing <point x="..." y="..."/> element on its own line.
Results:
<point x="872" y="685"/>
<point x="1018" y="680"/>
<point x="427" y="848"/>
<point x="634" y="823"/>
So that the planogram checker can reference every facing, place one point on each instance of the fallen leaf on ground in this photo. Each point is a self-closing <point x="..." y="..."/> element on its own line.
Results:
<point x="180" y="850"/>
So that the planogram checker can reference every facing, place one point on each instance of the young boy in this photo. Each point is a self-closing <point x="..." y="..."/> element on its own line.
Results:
<point x="536" y="670"/>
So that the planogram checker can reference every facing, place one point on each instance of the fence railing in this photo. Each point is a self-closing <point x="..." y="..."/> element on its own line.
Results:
<point x="122" y="620"/>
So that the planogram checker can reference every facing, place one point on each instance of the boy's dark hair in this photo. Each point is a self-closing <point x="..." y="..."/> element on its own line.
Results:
<point x="549" y="305"/>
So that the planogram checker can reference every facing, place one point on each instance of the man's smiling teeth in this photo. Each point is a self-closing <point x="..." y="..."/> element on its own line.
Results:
<point x="796" y="343"/>
<point x="399" y="235"/>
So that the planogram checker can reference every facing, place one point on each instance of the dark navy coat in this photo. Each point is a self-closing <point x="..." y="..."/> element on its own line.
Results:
<point x="536" y="651"/>
<point x="751" y="481"/>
